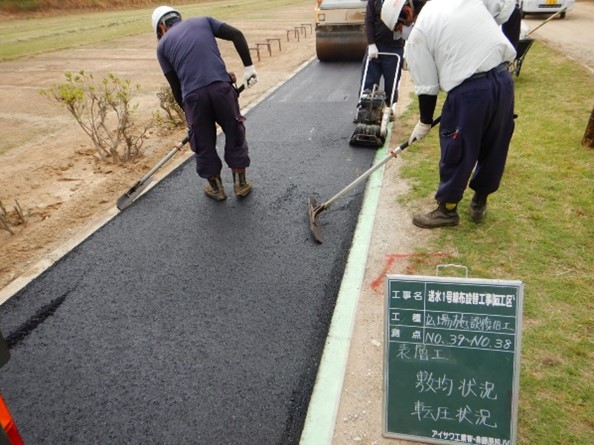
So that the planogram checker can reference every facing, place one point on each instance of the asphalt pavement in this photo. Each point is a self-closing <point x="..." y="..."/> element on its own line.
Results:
<point x="189" y="321"/>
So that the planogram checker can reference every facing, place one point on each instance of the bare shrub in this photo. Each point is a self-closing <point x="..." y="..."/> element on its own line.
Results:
<point x="104" y="111"/>
<point x="12" y="219"/>
<point x="174" y="114"/>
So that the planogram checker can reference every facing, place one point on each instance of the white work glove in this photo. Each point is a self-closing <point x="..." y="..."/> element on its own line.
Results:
<point x="250" y="77"/>
<point x="421" y="130"/>
<point x="372" y="51"/>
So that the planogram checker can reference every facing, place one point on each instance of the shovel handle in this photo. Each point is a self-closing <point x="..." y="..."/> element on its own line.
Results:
<point x="549" y="19"/>
<point x="372" y="169"/>
<point x="406" y="144"/>
<point x="177" y="148"/>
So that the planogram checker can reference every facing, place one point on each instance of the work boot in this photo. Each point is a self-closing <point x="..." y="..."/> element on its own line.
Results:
<point x="240" y="186"/>
<point x="446" y="214"/>
<point x="393" y="112"/>
<point x="214" y="189"/>
<point x="478" y="208"/>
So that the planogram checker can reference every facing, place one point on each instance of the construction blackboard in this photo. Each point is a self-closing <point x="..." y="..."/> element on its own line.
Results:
<point x="451" y="359"/>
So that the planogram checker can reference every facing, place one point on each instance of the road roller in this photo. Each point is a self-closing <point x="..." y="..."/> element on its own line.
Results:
<point x="340" y="30"/>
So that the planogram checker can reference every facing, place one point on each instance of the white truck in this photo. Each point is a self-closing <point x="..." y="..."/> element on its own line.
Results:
<point x="546" y="7"/>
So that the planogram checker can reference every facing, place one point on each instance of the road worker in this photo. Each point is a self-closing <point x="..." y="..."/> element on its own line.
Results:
<point x="458" y="46"/>
<point x="381" y="39"/>
<point x="192" y="64"/>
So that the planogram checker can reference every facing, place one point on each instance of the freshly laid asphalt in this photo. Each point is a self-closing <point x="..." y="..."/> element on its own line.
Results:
<point x="188" y="321"/>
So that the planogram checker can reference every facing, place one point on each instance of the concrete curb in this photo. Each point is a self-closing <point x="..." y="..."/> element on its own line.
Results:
<point x="325" y="399"/>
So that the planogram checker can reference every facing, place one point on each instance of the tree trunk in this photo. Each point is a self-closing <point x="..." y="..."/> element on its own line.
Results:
<point x="588" y="140"/>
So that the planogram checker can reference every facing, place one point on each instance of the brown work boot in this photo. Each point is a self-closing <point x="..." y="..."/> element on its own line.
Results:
<point x="240" y="186"/>
<point x="440" y="217"/>
<point x="478" y="208"/>
<point x="214" y="189"/>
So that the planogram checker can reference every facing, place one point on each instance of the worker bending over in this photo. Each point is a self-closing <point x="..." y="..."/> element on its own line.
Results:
<point x="192" y="63"/>
<point x="458" y="46"/>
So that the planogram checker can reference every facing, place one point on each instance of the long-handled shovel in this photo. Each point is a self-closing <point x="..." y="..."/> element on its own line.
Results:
<point x="134" y="192"/>
<point x="315" y="209"/>
<point x="128" y="198"/>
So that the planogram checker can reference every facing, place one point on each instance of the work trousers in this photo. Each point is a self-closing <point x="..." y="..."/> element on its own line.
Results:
<point x="204" y="108"/>
<point x="477" y="123"/>
<point x="386" y="66"/>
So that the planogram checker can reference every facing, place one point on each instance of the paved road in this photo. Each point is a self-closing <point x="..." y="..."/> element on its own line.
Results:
<point x="184" y="320"/>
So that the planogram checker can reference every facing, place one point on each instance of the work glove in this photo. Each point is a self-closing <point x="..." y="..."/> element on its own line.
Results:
<point x="250" y="77"/>
<point x="421" y="130"/>
<point x="372" y="51"/>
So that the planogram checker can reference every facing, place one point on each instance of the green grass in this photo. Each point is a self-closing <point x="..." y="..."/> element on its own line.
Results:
<point x="540" y="230"/>
<point x="21" y="5"/>
<point x="26" y="37"/>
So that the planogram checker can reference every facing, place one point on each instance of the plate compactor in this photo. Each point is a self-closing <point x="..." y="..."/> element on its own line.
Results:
<point x="372" y="119"/>
<point x="373" y="111"/>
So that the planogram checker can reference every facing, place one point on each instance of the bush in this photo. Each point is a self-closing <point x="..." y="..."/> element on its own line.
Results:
<point x="104" y="111"/>
<point x="174" y="114"/>
<point x="11" y="219"/>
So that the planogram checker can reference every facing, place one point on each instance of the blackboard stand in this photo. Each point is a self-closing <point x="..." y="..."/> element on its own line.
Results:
<point x="451" y="359"/>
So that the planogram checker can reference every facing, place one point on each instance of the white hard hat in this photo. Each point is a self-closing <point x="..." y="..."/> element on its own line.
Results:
<point x="391" y="12"/>
<point x="160" y="15"/>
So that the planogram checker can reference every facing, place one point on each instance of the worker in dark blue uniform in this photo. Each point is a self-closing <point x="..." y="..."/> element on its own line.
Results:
<point x="191" y="61"/>
<point x="381" y="39"/>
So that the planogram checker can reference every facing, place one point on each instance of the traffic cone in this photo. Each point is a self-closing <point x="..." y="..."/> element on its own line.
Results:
<point x="8" y="425"/>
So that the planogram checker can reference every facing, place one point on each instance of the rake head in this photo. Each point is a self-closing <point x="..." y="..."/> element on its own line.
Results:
<point x="314" y="211"/>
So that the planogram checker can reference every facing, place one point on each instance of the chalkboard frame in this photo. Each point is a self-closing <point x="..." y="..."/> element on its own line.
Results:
<point x="463" y="283"/>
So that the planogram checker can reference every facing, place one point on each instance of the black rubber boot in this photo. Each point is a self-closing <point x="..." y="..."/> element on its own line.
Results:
<point x="440" y="217"/>
<point x="240" y="185"/>
<point x="214" y="189"/>
<point x="478" y="208"/>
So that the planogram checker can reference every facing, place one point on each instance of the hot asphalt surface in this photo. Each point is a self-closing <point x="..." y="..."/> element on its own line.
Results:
<point x="188" y="321"/>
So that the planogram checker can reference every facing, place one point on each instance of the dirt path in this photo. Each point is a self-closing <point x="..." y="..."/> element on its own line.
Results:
<point x="571" y="36"/>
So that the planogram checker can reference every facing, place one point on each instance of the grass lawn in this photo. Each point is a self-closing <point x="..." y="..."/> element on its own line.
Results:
<point x="29" y="36"/>
<point x="540" y="230"/>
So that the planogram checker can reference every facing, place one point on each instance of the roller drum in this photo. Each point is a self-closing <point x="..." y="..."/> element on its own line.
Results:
<point x="337" y="45"/>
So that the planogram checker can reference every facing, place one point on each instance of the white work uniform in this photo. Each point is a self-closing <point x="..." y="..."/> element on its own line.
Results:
<point x="443" y="50"/>
<point x="501" y="10"/>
